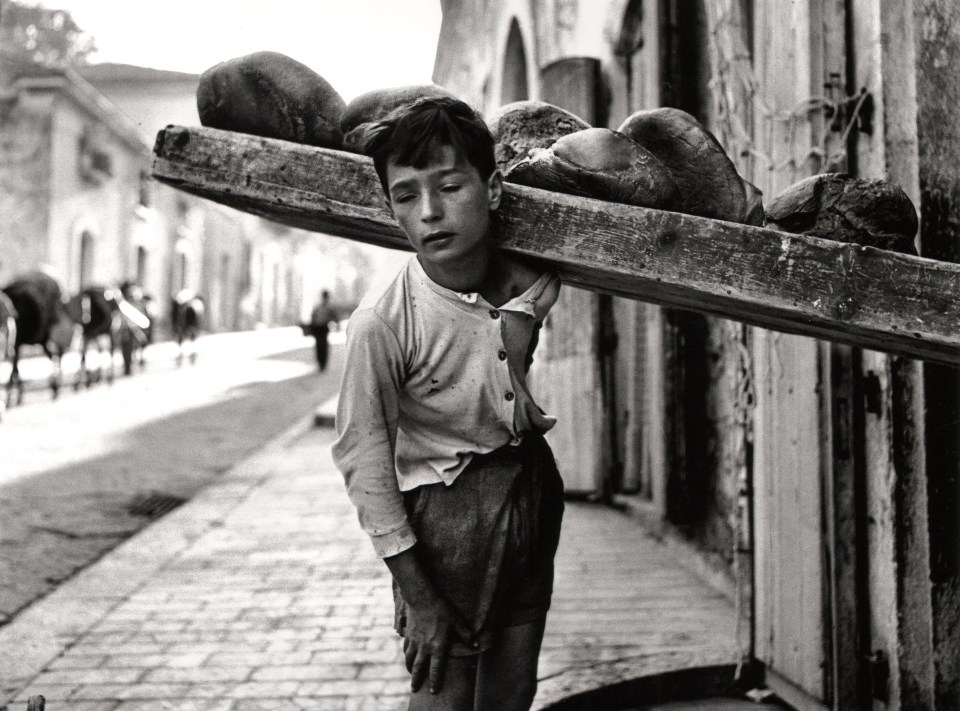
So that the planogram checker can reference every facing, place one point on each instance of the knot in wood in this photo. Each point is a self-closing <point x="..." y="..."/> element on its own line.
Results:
<point x="845" y="308"/>
<point x="668" y="238"/>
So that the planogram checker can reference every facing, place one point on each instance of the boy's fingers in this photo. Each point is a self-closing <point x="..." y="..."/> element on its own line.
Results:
<point x="409" y="653"/>
<point x="419" y="669"/>
<point x="438" y="664"/>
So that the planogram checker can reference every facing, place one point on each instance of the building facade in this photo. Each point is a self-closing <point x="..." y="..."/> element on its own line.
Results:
<point x="816" y="484"/>
<point x="78" y="198"/>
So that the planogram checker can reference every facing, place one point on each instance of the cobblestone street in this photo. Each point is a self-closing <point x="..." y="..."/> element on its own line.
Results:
<point x="84" y="472"/>
<point x="263" y="593"/>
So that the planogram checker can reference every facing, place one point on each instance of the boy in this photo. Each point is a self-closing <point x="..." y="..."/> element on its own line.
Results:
<point x="439" y="439"/>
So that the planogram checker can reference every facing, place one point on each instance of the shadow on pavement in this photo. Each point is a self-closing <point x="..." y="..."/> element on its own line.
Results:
<point x="57" y="522"/>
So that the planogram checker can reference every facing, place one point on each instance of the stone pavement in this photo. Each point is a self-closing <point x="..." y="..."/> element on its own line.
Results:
<point x="262" y="593"/>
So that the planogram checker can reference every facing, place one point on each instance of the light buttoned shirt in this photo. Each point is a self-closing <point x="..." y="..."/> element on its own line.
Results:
<point x="432" y="377"/>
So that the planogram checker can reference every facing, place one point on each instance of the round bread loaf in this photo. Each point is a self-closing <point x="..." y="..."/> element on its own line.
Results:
<point x="374" y="106"/>
<point x="836" y="206"/>
<point x="273" y="95"/>
<point x="598" y="163"/>
<point x="521" y="126"/>
<point x="708" y="181"/>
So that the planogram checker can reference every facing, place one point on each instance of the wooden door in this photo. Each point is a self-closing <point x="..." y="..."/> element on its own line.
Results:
<point x="805" y="626"/>
<point x="572" y="345"/>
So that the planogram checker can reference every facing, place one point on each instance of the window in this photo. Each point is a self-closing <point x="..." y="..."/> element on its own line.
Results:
<point x="515" y="86"/>
<point x="85" y="261"/>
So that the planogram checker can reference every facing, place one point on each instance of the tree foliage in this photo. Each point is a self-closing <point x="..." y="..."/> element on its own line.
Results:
<point x="45" y="36"/>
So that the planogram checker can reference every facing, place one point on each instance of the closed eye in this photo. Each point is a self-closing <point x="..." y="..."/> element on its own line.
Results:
<point x="451" y="187"/>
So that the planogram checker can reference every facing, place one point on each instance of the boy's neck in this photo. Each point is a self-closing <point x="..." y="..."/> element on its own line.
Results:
<point x="466" y="276"/>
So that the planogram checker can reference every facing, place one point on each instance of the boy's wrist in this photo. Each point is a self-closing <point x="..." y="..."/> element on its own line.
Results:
<point x="417" y="590"/>
<point x="393" y="543"/>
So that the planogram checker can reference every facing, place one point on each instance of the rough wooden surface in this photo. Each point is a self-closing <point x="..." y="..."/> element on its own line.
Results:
<point x="846" y="293"/>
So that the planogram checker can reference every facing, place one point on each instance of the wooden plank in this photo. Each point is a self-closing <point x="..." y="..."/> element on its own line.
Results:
<point x="792" y="283"/>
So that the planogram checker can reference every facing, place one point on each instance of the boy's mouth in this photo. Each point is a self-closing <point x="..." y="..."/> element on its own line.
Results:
<point x="437" y="236"/>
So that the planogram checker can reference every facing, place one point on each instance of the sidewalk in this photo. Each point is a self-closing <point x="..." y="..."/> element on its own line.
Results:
<point x="35" y="368"/>
<point x="263" y="594"/>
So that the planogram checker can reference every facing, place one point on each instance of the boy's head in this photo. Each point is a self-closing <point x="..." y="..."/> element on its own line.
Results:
<point x="436" y="164"/>
<point x="414" y="134"/>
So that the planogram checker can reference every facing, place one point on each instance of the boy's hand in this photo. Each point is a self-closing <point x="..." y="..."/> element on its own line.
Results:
<point x="430" y="631"/>
<point x="431" y="622"/>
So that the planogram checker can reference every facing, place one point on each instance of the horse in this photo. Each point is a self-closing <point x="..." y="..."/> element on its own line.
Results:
<point x="136" y="328"/>
<point x="41" y="320"/>
<point x="8" y="334"/>
<point x="97" y="310"/>
<point x="187" y="320"/>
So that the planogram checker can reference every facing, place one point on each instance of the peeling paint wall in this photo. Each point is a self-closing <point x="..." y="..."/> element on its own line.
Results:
<point x="938" y="97"/>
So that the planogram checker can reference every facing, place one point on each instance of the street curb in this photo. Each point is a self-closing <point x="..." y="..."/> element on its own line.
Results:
<point x="42" y="631"/>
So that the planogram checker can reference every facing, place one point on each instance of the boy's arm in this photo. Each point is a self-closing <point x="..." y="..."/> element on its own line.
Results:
<point x="430" y="621"/>
<point x="367" y="415"/>
<point x="367" y="412"/>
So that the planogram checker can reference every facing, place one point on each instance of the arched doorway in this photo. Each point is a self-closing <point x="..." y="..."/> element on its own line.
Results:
<point x="515" y="86"/>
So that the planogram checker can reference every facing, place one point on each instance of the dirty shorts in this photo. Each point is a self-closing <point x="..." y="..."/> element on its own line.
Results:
<point x="488" y="540"/>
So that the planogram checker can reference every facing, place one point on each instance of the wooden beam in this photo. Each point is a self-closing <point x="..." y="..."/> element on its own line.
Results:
<point x="814" y="287"/>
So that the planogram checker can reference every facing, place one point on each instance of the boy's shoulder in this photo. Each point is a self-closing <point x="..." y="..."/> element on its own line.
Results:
<point x="531" y="284"/>
<point x="386" y="302"/>
<point x="385" y="285"/>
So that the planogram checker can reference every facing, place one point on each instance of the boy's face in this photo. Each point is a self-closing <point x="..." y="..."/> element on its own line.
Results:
<point x="444" y="207"/>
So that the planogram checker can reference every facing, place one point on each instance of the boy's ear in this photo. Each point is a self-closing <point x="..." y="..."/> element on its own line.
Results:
<point x="494" y="189"/>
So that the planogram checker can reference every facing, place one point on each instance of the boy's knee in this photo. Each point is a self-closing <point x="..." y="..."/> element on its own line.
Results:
<point x="511" y="684"/>
<point x="511" y="695"/>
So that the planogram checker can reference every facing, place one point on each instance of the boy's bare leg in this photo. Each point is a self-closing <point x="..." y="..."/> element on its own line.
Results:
<point x="457" y="691"/>
<point x="507" y="675"/>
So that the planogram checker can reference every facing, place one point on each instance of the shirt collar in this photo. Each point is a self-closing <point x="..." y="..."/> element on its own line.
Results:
<point x="524" y="303"/>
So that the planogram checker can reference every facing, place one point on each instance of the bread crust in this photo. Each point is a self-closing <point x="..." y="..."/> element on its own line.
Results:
<point x="522" y="126"/>
<point x="706" y="177"/>
<point x="270" y="94"/>
<point x="837" y="206"/>
<point x="598" y="163"/>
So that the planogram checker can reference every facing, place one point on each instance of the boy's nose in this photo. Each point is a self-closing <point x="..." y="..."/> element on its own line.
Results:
<point x="430" y="208"/>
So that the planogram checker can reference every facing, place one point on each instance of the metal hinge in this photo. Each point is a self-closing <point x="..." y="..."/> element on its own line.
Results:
<point x="879" y="667"/>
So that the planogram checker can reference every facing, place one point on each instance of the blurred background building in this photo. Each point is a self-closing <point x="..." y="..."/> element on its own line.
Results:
<point x="76" y="194"/>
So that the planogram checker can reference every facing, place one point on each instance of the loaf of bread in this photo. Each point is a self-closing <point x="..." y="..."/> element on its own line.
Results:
<point x="707" y="179"/>
<point x="373" y="106"/>
<point x="273" y="95"/>
<point x="875" y="213"/>
<point x="521" y="126"/>
<point x="598" y="163"/>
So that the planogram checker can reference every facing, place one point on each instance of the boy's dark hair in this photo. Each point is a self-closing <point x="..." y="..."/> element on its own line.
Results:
<point x="412" y="135"/>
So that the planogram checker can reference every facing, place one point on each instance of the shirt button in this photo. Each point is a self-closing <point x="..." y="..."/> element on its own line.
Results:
<point x="502" y="355"/>
<point x="509" y="396"/>
<point x="494" y="313"/>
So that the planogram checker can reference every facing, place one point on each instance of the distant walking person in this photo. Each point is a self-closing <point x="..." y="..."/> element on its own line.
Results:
<point x="320" y="320"/>
<point x="187" y="318"/>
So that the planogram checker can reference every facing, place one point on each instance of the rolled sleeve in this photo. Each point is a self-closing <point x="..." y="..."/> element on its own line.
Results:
<point x="367" y="414"/>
